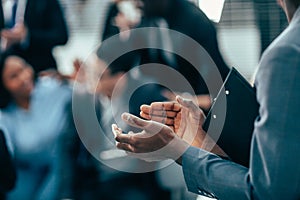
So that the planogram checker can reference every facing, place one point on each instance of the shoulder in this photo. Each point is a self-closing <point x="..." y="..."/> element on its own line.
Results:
<point x="278" y="70"/>
<point x="192" y="12"/>
<point x="198" y="26"/>
<point x="281" y="54"/>
<point x="52" y="88"/>
<point x="282" y="57"/>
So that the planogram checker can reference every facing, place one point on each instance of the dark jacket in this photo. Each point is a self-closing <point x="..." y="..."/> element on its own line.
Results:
<point x="189" y="20"/>
<point x="7" y="170"/>
<point x="47" y="28"/>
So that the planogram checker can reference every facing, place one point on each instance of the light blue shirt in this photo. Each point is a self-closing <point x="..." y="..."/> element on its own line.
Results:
<point x="35" y="137"/>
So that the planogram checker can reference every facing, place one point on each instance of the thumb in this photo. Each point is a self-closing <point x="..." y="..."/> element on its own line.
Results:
<point x="135" y="121"/>
<point x="149" y="126"/>
<point x="189" y="104"/>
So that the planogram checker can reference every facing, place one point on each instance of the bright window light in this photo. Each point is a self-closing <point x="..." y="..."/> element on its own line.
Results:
<point x="212" y="8"/>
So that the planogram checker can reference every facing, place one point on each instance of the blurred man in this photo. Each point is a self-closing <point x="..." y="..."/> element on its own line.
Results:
<point x="186" y="18"/>
<point x="32" y="29"/>
<point x="274" y="171"/>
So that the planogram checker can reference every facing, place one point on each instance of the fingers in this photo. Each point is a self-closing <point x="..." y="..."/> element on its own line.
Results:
<point x="135" y="121"/>
<point x="145" y="115"/>
<point x="177" y="122"/>
<point x="123" y="141"/>
<point x="125" y="147"/>
<point x="189" y="104"/>
<point x="149" y="126"/>
<point x="159" y="106"/>
<point x="116" y="130"/>
<point x="125" y="138"/>
<point x="158" y="113"/>
<point x="167" y="106"/>
<point x="163" y="120"/>
<point x="160" y="109"/>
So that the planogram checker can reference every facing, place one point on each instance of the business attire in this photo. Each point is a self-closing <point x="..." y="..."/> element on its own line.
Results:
<point x="274" y="171"/>
<point x="109" y="28"/>
<point x="199" y="28"/>
<point x="35" y="135"/>
<point x="46" y="29"/>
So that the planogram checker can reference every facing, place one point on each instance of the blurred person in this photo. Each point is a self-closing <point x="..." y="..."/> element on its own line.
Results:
<point x="110" y="85"/>
<point x="174" y="15"/>
<point x="32" y="28"/>
<point x="274" y="171"/>
<point x="36" y="115"/>
<point x="122" y="15"/>
<point x="117" y="81"/>
<point x="7" y="168"/>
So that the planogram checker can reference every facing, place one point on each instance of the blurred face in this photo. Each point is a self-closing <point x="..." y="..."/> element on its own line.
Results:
<point x="18" y="77"/>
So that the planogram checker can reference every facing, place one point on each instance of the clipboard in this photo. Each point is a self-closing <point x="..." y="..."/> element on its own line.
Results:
<point x="241" y="112"/>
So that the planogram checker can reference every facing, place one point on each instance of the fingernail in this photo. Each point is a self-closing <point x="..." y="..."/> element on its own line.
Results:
<point x="141" y="107"/>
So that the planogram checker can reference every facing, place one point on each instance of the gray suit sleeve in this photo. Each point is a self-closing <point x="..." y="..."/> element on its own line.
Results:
<point x="274" y="171"/>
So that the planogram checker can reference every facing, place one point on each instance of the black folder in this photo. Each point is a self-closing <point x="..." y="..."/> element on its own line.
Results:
<point x="241" y="112"/>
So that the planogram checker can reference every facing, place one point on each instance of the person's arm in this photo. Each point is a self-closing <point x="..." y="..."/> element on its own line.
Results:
<point x="184" y="117"/>
<point x="274" y="171"/>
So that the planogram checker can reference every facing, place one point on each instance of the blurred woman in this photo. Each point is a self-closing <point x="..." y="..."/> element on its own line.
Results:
<point x="35" y="114"/>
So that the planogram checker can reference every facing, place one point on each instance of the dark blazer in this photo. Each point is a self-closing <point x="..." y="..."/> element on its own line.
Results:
<point x="109" y="29"/>
<point x="47" y="29"/>
<point x="7" y="170"/>
<point x="188" y="19"/>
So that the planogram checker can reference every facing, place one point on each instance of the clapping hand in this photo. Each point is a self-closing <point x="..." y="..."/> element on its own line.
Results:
<point x="185" y="118"/>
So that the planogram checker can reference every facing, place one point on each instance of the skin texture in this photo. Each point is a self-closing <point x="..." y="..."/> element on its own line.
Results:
<point x="15" y="35"/>
<point x="178" y="123"/>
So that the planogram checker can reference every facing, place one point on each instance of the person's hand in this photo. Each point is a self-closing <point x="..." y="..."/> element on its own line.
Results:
<point x="203" y="101"/>
<point x="78" y="72"/>
<point x="122" y="22"/>
<point x="155" y="143"/>
<point x="16" y="35"/>
<point x="163" y="112"/>
<point x="185" y="118"/>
